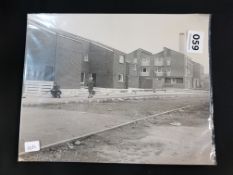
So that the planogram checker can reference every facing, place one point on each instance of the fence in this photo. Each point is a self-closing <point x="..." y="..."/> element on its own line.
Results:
<point x="37" y="88"/>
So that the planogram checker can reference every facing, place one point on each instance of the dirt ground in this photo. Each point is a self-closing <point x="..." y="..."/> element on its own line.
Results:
<point x="134" y="108"/>
<point x="54" y="123"/>
<point x="180" y="137"/>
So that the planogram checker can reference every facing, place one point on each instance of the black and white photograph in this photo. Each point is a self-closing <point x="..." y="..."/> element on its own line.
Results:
<point x="117" y="88"/>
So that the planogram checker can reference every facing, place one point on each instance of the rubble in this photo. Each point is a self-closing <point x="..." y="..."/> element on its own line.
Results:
<point x="175" y="123"/>
<point x="77" y="142"/>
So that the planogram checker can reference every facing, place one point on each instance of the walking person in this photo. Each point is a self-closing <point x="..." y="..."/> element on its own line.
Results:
<point x="90" y="85"/>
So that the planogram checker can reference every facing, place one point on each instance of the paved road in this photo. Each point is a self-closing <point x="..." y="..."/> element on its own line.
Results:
<point x="57" y="123"/>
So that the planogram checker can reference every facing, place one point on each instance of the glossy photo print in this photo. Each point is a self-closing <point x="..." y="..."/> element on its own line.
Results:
<point x="117" y="88"/>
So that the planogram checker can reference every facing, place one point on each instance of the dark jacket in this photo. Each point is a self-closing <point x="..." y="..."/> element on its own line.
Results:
<point x="90" y="84"/>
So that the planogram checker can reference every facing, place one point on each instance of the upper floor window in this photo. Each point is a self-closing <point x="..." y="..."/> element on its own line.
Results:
<point x="168" y="61"/>
<point x="144" y="69"/>
<point x="158" y="61"/>
<point x="145" y="61"/>
<point x="179" y="80"/>
<point x="168" y="69"/>
<point x="135" y="67"/>
<point x="121" y="59"/>
<point x="86" y="58"/>
<point x="159" y="69"/>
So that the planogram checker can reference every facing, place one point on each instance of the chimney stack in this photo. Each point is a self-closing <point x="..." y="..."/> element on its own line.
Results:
<point x="182" y="42"/>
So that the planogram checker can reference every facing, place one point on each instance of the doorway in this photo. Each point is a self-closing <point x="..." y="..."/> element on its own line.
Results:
<point x="94" y="78"/>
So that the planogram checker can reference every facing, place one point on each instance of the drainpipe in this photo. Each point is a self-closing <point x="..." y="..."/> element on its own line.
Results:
<point x="153" y="74"/>
<point x="127" y="75"/>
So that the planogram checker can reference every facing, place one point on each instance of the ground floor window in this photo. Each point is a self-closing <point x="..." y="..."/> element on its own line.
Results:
<point x="179" y="80"/>
<point x="120" y="77"/>
<point x="174" y="80"/>
<point x="168" y="80"/>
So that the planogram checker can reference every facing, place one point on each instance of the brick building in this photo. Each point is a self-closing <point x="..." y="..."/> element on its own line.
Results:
<point x="57" y="56"/>
<point x="173" y="69"/>
<point x="165" y="69"/>
<point x="69" y="60"/>
<point x="140" y="69"/>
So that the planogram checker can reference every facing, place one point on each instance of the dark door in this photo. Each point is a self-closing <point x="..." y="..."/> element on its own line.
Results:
<point x="94" y="78"/>
<point x="145" y="83"/>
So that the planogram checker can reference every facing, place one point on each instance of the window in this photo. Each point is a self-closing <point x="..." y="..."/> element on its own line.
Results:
<point x="168" y="80"/>
<point x="135" y="60"/>
<point x="144" y="69"/>
<point x="168" y="69"/>
<point x="168" y="62"/>
<point x="158" y="61"/>
<point x="179" y="80"/>
<point x="135" y="67"/>
<point x="121" y="59"/>
<point x="86" y="58"/>
<point x="173" y="81"/>
<point x="159" y="69"/>
<point x="120" y="77"/>
<point x="146" y="60"/>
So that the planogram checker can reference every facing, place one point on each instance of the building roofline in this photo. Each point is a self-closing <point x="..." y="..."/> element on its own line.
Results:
<point x="190" y="58"/>
<point x="158" y="52"/>
<point x="72" y="36"/>
<point x="140" y="49"/>
<point x="144" y="51"/>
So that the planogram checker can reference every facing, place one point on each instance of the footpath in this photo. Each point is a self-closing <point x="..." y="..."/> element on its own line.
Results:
<point x="106" y="96"/>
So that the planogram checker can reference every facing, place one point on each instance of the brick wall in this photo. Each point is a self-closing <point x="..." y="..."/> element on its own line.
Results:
<point x="85" y="65"/>
<point x="133" y="70"/>
<point x="119" y="68"/>
<point x="177" y="63"/>
<point x="101" y="63"/>
<point x="69" y="54"/>
<point x="143" y="54"/>
<point x="145" y="82"/>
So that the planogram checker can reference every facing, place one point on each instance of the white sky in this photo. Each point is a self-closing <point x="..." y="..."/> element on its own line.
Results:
<point x="128" y="32"/>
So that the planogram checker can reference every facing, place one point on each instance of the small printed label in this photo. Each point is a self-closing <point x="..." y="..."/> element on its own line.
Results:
<point x="32" y="146"/>
<point x="195" y="42"/>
